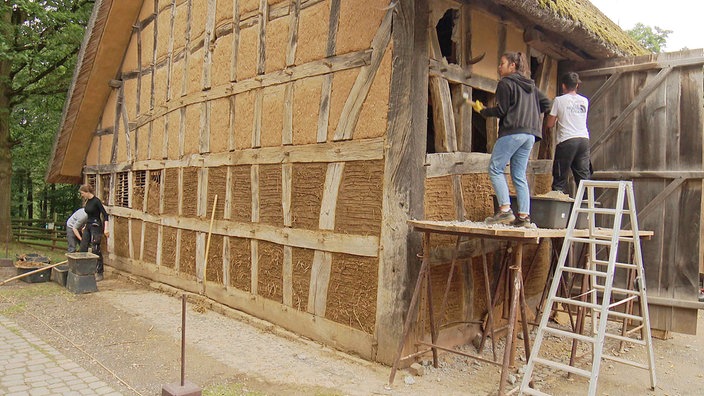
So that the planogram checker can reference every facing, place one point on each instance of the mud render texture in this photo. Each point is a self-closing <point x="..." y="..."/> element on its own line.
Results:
<point x="248" y="104"/>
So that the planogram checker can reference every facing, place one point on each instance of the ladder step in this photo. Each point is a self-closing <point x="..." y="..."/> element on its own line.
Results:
<point x="625" y="339"/>
<point x="576" y="302"/>
<point x="569" y="334"/>
<point x="563" y="367"/>
<point x="625" y="316"/>
<point x="625" y="361"/>
<point x="605" y="242"/>
<point x="604" y="211"/>
<point x="619" y="290"/>
<point x="619" y="302"/>
<point x="618" y="265"/>
<point x="584" y="271"/>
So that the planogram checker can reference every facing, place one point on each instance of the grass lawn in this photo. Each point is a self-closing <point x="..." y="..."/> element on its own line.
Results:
<point x="15" y="249"/>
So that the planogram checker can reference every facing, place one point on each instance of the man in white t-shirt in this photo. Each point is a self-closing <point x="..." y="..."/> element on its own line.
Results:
<point x="569" y="111"/>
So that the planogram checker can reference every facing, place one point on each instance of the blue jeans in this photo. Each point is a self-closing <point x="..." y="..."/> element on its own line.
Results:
<point x="515" y="149"/>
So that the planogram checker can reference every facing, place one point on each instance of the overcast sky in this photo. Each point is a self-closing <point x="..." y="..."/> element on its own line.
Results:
<point x="683" y="17"/>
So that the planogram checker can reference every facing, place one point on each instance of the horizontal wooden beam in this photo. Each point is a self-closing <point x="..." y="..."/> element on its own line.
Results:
<point x="451" y="72"/>
<point x="329" y="241"/>
<point x="628" y="175"/>
<point x="320" y="67"/>
<point x="461" y="163"/>
<point x="342" y="151"/>
<point x="675" y="63"/>
<point x="676" y="303"/>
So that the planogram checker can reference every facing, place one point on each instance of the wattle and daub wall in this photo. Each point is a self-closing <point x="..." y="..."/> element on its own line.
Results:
<point x="278" y="109"/>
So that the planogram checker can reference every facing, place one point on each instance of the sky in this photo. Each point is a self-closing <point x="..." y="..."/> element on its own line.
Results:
<point x="683" y="17"/>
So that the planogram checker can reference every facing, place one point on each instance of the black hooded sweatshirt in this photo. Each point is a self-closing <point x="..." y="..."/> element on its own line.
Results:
<point x="519" y="106"/>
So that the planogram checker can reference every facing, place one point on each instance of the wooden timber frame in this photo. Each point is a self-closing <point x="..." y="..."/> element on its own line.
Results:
<point x="165" y="154"/>
<point x="317" y="150"/>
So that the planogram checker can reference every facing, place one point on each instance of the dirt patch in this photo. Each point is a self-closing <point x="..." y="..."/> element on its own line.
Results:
<point x="131" y="331"/>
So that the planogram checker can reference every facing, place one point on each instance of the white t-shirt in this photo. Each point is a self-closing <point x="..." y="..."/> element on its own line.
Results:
<point x="571" y="112"/>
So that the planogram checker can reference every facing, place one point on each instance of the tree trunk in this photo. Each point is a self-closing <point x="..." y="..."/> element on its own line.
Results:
<point x="5" y="154"/>
<point x="30" y="196"/>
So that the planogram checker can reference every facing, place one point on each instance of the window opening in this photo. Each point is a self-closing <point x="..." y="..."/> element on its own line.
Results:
<point x="446" y="31"/>
<point x="104" y="188"/>
<point x="90" y="180"/>
<point x="122" y="197"/>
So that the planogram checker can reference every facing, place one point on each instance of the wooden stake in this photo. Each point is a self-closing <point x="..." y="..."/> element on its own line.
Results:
<point x="207" y="243"/>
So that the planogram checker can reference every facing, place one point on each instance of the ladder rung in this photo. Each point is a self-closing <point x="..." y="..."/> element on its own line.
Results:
<point x="625" y="316"/>
<point x="633" y="330"/>
<point x="569" y="334"/>
<point x="563" y="367"/>
<point x="607" y="237"/>
<point x="577" y="302"/>
<point x="624" y="361"/>
<point x="619" y="265"/>
<point x="619" y="302"/>
<point x="584" y="271"/>
<point x="618" y="290"/>
<point x="604" y="242"/>
<point x="626" y="339"/>
<point x="604" y="211"/>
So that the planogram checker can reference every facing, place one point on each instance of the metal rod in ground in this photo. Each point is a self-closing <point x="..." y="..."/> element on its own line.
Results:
<point x="183" y="339"/>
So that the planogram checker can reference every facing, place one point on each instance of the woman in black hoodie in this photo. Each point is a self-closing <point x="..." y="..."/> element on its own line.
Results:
<point x="95" y="227"/>
<point x="519" y="107"/>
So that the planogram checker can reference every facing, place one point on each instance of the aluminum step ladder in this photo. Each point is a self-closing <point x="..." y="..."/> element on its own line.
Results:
<point x="616" y="302"/>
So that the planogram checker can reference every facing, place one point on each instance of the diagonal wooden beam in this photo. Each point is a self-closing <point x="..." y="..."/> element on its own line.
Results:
<point x="642" y="95"/>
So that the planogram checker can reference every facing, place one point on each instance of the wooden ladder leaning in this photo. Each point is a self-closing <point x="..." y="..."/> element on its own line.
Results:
<point x="600" y="271"/>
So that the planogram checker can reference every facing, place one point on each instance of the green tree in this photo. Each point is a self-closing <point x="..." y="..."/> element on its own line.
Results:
<point x="651" y="38"/>
<point x="39" y="41"/>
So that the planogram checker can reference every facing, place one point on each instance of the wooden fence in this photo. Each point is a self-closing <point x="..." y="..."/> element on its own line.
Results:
<point x="40" y="232"/>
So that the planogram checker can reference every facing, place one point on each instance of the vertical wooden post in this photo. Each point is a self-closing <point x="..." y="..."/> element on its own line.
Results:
<point x="404" y="174"/>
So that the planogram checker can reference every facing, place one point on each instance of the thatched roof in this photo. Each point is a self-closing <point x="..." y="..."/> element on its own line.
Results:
<point x="579" y="23"/>
<point x="107" y="36"/>
<point x="575" y="22"/>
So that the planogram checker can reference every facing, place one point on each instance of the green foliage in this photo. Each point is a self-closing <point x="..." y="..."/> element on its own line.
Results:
<point x="651" y="38"/>
<point x="40" y="41"/>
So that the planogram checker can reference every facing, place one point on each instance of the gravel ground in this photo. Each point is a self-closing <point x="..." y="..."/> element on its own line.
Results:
<point x="128" y="334"/>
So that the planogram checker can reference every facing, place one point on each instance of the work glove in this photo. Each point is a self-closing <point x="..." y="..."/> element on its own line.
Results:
<point x="478" y="106"/>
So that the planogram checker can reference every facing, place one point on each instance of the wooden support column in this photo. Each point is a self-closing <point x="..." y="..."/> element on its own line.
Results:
<point x="261" y="48"/>
<point x="254" y="244"/>
<point x="186" y="50"/>
<point x="324" y="112"/>
<point x="235" y="38"/>
<point x="170" y="59"/>
<point x="294" y="17"/>
<point x="405" y="153"/>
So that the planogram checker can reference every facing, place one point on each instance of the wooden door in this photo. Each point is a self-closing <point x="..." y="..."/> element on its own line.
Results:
<point x="646" y="125"/>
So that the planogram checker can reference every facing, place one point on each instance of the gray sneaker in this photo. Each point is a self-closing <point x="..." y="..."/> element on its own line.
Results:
<point x="98" y="277"/>
<point x="501" y="218"/>
<point x="522" y="222"/>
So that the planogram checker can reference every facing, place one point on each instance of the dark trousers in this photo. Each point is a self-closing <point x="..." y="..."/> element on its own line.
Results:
<point x="571" y="154"/>
<point x="72" y="240"/>
<point x="92" y="235"/>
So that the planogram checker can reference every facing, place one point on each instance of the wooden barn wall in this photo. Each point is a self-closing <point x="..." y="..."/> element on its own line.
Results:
<point x="280" y="109"/>
<point x="658" y="143"/>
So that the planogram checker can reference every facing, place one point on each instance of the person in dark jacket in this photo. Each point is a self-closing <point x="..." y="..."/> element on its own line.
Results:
<point x="519" y="108"/>
<point x="96" y="226"/>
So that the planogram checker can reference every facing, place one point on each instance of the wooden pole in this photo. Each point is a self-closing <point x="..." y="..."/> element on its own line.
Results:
<point x="207" y="243"/>
<point x="32" y="272"/>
